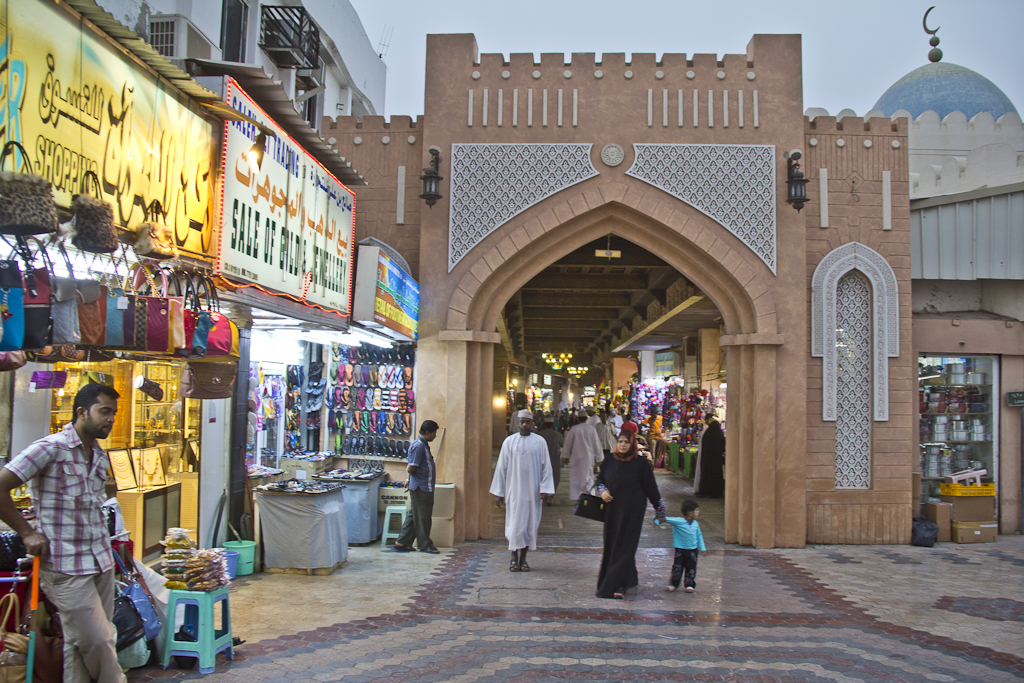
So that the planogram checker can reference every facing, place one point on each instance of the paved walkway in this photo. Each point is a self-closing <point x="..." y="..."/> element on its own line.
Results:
<point x="829" y="613"/>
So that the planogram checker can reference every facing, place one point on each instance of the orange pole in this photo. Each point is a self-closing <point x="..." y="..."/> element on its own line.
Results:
<point x="35" y="584"/>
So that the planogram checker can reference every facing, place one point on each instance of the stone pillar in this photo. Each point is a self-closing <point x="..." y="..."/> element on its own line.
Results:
<point x="456" y="376"/>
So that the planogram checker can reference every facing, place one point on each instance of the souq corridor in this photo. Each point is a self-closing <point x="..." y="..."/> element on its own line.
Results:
<point x="823" y="613"/>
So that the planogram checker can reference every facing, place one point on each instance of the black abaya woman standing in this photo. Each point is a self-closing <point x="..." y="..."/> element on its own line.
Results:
<point x="626" y="483"/>
<point x="712" y="460"/>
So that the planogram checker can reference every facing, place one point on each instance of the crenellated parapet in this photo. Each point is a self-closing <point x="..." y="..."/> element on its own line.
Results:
<point x="952" y="154"/>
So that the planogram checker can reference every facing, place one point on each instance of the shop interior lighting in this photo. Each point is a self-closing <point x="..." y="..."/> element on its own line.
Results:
<point x="370" y="338"/>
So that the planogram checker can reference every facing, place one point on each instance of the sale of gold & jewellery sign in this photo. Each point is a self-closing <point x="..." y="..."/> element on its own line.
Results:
<point x="287" y="224"/>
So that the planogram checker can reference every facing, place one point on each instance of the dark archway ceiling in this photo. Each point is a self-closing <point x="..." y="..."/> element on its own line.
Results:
<point x="588" y="305"/>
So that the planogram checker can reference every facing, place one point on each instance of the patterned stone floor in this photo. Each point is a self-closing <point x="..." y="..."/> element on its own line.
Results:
<point x="828" y="613"/>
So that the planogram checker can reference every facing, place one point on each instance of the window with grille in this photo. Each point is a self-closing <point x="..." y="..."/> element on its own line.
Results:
<point x="853" y="378"/>
<point x="161" y="37"/>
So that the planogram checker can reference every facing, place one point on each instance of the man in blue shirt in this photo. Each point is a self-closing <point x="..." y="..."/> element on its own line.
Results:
<point x="421" y="494"/>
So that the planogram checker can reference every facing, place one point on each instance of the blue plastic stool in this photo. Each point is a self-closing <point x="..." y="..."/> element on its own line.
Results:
<point x="388" y="533"/>
<point x="199" y="620"/>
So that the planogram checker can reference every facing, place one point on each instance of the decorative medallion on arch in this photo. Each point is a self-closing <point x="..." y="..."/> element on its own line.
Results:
<point x="825" y="303"/>
<point x="492" y="183"/>
<point x="733" y="184"/>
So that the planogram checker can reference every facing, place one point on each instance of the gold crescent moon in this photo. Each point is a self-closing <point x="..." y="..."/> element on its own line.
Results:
<point x="924" y="22"/>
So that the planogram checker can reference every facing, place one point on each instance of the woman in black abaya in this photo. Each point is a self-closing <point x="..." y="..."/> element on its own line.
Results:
<point x="626" y="483"/>
<point x="712" y="460"/>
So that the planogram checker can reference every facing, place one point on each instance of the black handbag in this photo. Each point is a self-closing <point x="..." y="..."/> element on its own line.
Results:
<point x="591" y="507"/>
<point x="11" y="550"/>
<point x="127" y="621"/>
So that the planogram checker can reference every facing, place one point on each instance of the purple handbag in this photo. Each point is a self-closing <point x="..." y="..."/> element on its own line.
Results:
<point x="49" y="379"/>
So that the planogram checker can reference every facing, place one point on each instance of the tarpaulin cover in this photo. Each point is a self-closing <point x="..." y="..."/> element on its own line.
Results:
<point x="302" y="530"/>
<point x="361" y="509"/>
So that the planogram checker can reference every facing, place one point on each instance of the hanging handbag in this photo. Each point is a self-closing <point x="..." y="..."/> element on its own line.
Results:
<point x="127" y="621"/>
<point x="12" y="306"/>
<point x="140" y="598"/>
<point x="214" y="333"/>
<point x="590" y="507"/>
<point x="12" y="360"/>
<point x="46" y="379"/>
<point x="93" y="221"/>
<point x="14" y="655"/>
<point x="155" y="240"/>
<point x="37" y="283"/>
<point x="48" y="663"/>
<point x="158" y="308"/>
<point x="69" y="293"/>
<point x="208" y="380"/>
<point x="27" y="206"/>
<point x="120" y="308"/>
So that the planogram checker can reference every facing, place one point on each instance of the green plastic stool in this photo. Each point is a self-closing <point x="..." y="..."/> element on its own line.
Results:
<point x="199" y="613"/>
<point x="387" y="534"/>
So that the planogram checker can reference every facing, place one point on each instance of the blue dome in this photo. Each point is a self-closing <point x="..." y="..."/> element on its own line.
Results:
<point x="944" y="88"/>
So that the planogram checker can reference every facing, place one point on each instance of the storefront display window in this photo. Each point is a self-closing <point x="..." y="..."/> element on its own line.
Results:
<point x="959" y="429"/>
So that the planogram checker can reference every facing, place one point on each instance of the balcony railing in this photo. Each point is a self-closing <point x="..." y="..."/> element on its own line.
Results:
<point x="290" y="37"/>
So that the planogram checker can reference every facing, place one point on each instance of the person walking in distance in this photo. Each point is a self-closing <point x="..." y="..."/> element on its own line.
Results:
<point x="583" y="451"/>
<point x="605" y="434"/>
<point x="687" y="541"/>
<point x="555" y="442"/>
<point x="522" y="479"/>
<point x="66" y="473"/>
<point x="422" y="477"/>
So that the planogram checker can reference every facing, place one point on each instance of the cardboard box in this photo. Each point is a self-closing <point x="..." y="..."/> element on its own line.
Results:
<point x="942" y="515"/>
<point x="975" y="532"/>
<point x="972" y="508"/>
<point x="444" y="500"/>
<point x="388" y="496"/>
<point x="442" y="531"/>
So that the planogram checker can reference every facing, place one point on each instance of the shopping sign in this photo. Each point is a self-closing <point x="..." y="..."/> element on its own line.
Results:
<point x="386" y="297"/>
<point x="78" y="104"/>
<point x="1015" y="399"/>
<point x="286" y="223"/>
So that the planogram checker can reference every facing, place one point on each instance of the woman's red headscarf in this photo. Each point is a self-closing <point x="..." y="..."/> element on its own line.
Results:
<point x="632" y="453"/>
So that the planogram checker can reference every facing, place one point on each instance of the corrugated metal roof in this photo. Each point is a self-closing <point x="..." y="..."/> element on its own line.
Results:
<point x="276" y="102"/>
<point x="971" y="239"/>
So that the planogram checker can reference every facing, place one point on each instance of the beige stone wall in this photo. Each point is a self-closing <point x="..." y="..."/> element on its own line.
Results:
<point x="382" y="147"/>
<point x="855" y="213"/>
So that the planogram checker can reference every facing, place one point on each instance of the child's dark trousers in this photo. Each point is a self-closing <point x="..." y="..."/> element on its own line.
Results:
<point x="686" y="561"/>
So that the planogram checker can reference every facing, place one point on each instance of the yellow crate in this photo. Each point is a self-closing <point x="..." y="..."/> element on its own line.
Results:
<point x="961" y="490"/>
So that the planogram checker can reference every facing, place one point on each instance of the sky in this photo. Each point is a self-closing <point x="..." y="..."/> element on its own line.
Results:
<point x="853" y="50"/>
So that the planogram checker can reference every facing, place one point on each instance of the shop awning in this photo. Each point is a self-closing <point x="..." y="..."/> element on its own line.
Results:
<point x="275" y="101"/>
<point x="131" y="41"/>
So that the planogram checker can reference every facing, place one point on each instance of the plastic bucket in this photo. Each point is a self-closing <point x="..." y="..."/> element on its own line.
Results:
<point x="246" y="555"/>
<point x="231" y="557"/>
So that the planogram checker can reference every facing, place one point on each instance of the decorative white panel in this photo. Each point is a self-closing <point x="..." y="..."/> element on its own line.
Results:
<point x="733" y="184"/>
<point x="884" y="314"/>
<point x="853" y="380"/>
<point x="492" y="183"/>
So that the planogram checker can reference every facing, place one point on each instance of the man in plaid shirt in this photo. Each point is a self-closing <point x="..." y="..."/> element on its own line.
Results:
<point x="67" y="473"/>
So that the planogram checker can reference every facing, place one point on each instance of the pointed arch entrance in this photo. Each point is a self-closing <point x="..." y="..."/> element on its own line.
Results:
<point x="709" y="256"/>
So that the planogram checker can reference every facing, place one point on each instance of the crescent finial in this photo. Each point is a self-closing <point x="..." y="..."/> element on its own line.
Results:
<point x="924" y="22"/>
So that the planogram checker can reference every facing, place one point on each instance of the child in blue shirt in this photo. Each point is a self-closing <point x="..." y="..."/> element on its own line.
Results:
<point x="687" y="539"/>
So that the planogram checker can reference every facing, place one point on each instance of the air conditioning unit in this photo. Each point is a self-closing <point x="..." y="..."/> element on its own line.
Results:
<point x="178" y="39"/>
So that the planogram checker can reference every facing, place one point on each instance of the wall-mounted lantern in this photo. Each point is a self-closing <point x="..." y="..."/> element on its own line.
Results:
<point x="432" y="179"/>
<point x="797" y="194"/>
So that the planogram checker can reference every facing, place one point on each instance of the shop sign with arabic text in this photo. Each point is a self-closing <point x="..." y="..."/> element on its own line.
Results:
<point x="287" y="223"/>
<point x="78" y="104"/>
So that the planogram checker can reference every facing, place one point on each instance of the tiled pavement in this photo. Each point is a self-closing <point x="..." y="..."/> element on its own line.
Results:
<point x="836" y="613"/>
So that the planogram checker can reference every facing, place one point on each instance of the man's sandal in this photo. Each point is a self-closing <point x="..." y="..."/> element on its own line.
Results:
<point x="513" y="566"/>
<point x="523" y="567"/>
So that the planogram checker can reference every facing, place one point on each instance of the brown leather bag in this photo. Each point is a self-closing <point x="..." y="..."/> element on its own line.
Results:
<point x="208" y="380"/>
